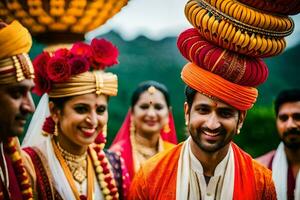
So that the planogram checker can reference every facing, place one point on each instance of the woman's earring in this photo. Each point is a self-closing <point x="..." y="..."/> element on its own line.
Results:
<point x="55" y="129"/>
<point x="166" y="128"/>
<point x="238" y="132"/>
<point x="132" y="127"/>
<point x="104" y="130"/>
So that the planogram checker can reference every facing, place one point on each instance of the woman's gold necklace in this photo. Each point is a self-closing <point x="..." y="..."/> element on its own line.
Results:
<point x="77" y="165"/>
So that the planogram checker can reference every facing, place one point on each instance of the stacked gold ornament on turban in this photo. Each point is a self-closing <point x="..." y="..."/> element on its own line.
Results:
<point x="15" y="43"/>
<point x="238" y="27"/>
<point x="60" y="20"/>
<point x="225" y="48"/>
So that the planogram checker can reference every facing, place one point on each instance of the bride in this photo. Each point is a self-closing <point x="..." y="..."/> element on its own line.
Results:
<point x="65" y="140"/>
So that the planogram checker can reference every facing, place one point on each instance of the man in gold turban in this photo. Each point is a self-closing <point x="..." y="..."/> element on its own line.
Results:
<point x="16" y="74"/>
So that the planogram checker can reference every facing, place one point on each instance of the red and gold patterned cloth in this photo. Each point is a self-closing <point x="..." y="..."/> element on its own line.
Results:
<point x="236" y="68"/>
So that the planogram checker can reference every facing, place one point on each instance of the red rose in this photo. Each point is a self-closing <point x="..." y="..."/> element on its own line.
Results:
<point x="40" y="63"/>
<point x="42" y="85"/>
<point x="58" y="69"/>
<point x="65" y="53"/>
<point x="104" y="53"/>
<point x="49" y="125"/>
<point x="82" y="49"/>
<point x="78" y="65"/>
<point x="82" y="197"/>
<point x="100" y="139"/>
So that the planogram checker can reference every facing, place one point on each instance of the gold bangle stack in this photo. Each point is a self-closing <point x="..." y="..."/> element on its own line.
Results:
<point x="230" y="33"/>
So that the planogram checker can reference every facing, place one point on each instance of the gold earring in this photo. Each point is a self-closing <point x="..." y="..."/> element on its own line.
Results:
<point x="166" y="128"/>
<point x="104" y="130"/>
<point x="132" y="127"/>
<point x="238" y="132"/>
<point x="55" y="129"/>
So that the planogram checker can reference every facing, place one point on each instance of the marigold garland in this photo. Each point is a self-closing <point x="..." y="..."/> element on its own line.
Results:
<point x="19" y="169"/>
<point x="103" y="173"/>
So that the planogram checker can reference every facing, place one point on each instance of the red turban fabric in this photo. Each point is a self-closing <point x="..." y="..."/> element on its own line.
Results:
<point x="236" y="68"/>
<point x="283" y="7"/>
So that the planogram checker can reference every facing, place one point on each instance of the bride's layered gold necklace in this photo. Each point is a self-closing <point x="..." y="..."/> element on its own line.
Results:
<point x="76" y="168"/>
<point x="79" y="167"/>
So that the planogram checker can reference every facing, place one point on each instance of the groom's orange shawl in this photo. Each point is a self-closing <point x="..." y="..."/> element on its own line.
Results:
<point x="157" y="177"/>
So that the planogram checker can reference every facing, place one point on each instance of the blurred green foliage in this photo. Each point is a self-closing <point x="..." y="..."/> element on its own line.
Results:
<point x="143" y="59"/>
<point x="258" y="134"/>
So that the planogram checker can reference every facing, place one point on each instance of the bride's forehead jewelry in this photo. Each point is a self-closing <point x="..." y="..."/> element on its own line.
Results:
<point x="151" y="89"/>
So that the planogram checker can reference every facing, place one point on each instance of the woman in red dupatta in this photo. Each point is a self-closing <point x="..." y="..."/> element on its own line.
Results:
<point x="148" y="127"/>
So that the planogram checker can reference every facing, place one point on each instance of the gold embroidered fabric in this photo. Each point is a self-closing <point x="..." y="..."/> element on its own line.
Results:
<point x="87" y="82"/>
<point x="15" y="69"/>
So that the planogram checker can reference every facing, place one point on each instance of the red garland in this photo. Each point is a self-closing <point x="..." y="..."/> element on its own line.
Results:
<point x="19" y="169"/>
<point x="100" y="142"/>
<point x="64" y="63"/>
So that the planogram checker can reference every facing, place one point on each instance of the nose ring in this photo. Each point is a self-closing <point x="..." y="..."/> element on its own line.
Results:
<point x="88" y="120"/>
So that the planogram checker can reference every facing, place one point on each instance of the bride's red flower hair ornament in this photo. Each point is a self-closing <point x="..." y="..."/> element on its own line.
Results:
<point x="62" y="64"/>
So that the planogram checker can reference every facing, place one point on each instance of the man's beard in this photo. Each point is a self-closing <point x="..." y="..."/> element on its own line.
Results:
<point x="293" y="144"/>
<point x="219" y="145"/>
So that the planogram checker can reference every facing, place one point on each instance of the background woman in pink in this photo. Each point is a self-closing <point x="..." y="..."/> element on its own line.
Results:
<point x="148" y="127"/>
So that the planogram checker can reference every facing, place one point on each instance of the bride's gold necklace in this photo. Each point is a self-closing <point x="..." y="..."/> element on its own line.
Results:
<point x="96" y="157"/>
<point x="76" y="163"/>
<point x="70" y="177"/>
